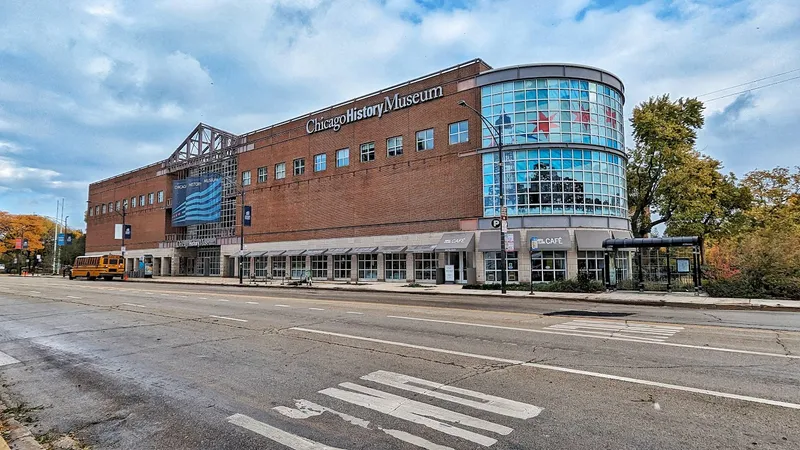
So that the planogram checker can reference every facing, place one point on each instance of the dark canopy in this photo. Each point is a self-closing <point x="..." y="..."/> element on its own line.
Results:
<point x="680" y="241"/>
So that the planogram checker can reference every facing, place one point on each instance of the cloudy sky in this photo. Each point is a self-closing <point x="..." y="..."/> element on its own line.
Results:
<point x="92" y="88"/>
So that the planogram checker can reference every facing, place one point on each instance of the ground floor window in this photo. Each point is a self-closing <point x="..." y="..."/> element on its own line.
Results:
<point x="261" y="266"/>
<point x="368" y="267"/>
<point x="592" y="264"/>
<point x="319" y="267"/>
<point x="298" y="266"/>
<point x="622" y="264"/>
<point x="425" y="266"/>
<point x="395" y="266"/>
<point x="278" y="267"/>
<point x="548" y="266"/>
<point x="342" y="265"/>
<point x="492" y="263"/>
<point x="245" y="267"/>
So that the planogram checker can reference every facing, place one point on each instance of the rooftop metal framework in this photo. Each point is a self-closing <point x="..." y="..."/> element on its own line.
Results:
<point x="203" y="145"/>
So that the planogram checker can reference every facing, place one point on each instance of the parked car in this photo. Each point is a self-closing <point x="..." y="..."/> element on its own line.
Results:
<point x="2" y="267"/>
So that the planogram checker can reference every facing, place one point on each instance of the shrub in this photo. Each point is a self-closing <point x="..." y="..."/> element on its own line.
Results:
<point x="581" y="284"/>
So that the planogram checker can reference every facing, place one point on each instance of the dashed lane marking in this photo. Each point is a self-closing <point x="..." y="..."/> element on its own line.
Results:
<point x="223" y="300"/>
<point x="591" y="336"/>
<point x="283" y="306"/>
<point x="134" y="304"/>
<point x="290" y="440"/>
<point x="317" y="309"/>
<point x="227" y="318"/>
<point x="658" y="384"/>
<point x="355" y="312"/>
<point x="35" y="292"/>
<point x="252" y="303"/>
<point x="72" y="296"/>
<point x="6" y="360"/>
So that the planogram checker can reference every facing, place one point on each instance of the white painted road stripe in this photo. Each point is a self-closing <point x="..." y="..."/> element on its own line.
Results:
<point x="134" y="304"/>
<point x="277" y="435"/>
<point x="72" y="296"/>
<point x="227" y="318"/>
<point x="355" y="312"/>
<point x="6" y="360"/>
<point x="252" y="303"/>
<point x="670" y="344"/>
<point x="601" y="322"/>
<point x="222" y="300"/>
<point x="317" y="309"/>
<point x="562" y="369"/>
<point x="283" y="306"/>
<point x="415" y="440"/>
<point x="35" y="292"/>
<point x="478" y="400"/>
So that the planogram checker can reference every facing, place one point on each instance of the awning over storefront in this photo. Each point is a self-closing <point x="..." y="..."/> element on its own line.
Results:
<point x="363" y="250"/>
<point x="550" y="239"/>
<point x="617" y="234"/>
<point x="273" y="253"/>
<point x="316" y="252"/>
<point x="337" y="251"/>
<point x="490" y="241"/>
<point x="456" y="242"/>
<point x="293" y="252"/>
<point x="392" y="249"/>
<point x="258" y="254"/>
<point x="430" y="248"/>
<point x="591" y="240"/>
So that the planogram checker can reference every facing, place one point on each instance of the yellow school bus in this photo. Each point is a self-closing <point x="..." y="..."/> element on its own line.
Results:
<point x="92" y="267"/>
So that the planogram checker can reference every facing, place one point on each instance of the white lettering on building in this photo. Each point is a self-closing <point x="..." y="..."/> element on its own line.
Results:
<point x="389" y="104"/>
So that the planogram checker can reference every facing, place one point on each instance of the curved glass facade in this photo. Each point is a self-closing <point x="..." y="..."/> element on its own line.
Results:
<point x="554" y="110"/>
<point x="556" y="181"/>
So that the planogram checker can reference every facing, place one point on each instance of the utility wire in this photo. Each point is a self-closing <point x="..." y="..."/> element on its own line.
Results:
<point x="751" y="89"/>
<point x="750" y="82"/>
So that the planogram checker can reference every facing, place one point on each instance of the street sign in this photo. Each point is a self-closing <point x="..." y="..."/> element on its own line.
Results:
<point x="534" y="243"/>
<point x="503" y="213"/>
<point x="495" y="223"/>
<point x="69" y="239"/>
<point x="504" y="226"/>
<point x="24" y="244"/>
<point x="123" y="250"/>
<point x="18" y="244"/>
<point x="509" y="242"/>
<point x="248" y="216"/>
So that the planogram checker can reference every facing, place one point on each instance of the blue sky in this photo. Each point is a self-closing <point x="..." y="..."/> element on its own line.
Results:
<point x="92" y="88"/>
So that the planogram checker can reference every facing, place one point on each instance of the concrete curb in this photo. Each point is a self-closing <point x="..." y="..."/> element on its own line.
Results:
<point x="19" y="436"/>
<point x="537" y="295"/>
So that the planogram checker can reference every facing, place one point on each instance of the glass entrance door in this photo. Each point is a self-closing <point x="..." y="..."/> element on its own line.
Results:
<point x="459" y="261"/>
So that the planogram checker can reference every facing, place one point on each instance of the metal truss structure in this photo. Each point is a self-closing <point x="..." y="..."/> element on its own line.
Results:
<point x="204" y="145"/>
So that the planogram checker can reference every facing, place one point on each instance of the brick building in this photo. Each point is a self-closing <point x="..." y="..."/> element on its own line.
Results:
<point x="395" y="184"/>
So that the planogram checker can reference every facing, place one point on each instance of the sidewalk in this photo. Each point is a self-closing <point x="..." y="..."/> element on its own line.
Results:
<point x="675" y="299"/>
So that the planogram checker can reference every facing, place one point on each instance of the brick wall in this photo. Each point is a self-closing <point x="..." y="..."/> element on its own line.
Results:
<point x="416" y="192"/>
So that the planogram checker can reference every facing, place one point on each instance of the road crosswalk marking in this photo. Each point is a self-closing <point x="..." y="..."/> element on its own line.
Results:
<point x="282" y="437"/>
<point x="6" y="360"/>
<point x="437" y="418"/>
<point x="642" y="332"/>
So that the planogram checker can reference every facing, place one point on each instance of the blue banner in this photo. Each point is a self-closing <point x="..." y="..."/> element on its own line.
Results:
<point x="248" y="216"/>
<point x="196" y="200"/>
<point x="60" y="239"/>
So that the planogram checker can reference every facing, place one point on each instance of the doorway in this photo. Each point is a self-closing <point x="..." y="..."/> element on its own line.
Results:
<point x="459" y="262"/>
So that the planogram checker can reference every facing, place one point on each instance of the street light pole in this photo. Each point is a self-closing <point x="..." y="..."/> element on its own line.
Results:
<point x="503" y="213"/>
<point x="55" y="238"/>
<point x="241" y="240"/>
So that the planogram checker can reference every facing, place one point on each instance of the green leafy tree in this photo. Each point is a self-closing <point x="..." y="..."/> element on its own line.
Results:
<point x="776" y="197"/>
<point x="661" y="175"/>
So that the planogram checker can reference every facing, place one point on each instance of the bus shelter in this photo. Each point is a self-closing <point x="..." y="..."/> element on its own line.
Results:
<point x="654" y="263"/>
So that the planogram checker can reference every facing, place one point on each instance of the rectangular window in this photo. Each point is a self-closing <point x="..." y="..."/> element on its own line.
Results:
<point x="262" y="174"/>
<point x="116" y="206"/>
<point x="394" y="146"/>
<point x="299" y="166"/>
<point x="280" y="171"/>
<point x="246" y="178"/>
<point x="395" y="266"/>
<point x="425" y="140"/>
<point x="141" y="200"/>
<point x="343" y="157"/>
<point x="425" y="266"/>
<point x="320" y="162"/>
<point x="110" y="207"/>
<point x="548" y="266"/>
<point x="342" y="265"/>
<point x="492" y="265"/>
<point x="368" y="152"/>
<point x="151" y="198"/>
<point x="160" y="196"/>
<point x="319" y="267"/>
<point x="368" y="267"/>
<point x="125" y="204"/>
<point x="459" y="132"/>
<point x="298" y="266"/>
<point x="261" y="266"/>
<point x="592" y="265"/>
<point x="278" y="267"/>
<point x="91" y="211"/>
<point x="103" y="209"/>
<point x="133" y="202"/>
<point x="246" y="267"/>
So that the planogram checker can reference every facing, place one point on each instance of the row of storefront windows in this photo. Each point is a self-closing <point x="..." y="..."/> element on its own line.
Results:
<point x="545" y="266"/>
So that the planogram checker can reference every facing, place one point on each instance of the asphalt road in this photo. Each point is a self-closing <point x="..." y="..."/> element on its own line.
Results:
<point x="131" y="365"/>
